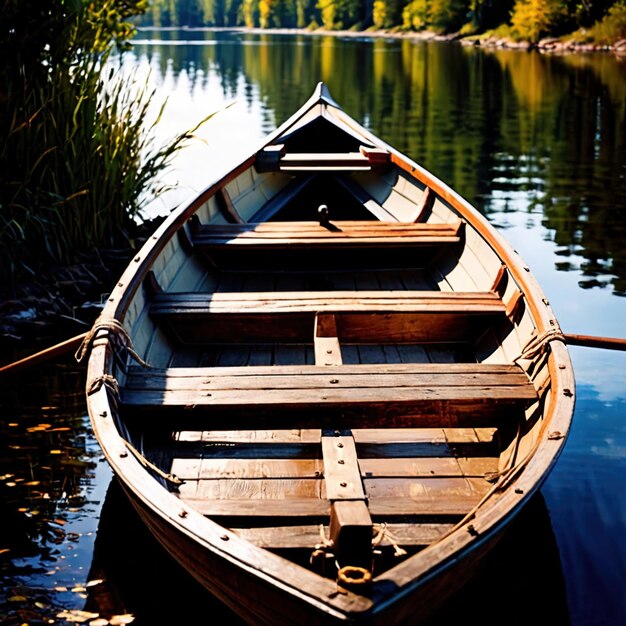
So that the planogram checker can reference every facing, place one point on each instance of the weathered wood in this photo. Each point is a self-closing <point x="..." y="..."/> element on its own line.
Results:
<point x="307" y="536"/>
<point x="350" y="521"/>
<point x="387" y="498"/>
<point x="44" y="355"/>
<point x="225" y="205"/>
<point x="298" y="397"/>
<point x="327" y="348"/>
<point x="349" y="244"/>
<point x="361" y="317"/>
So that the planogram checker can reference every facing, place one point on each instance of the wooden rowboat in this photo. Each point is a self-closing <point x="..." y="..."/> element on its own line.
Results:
<point x="327" y="383"/>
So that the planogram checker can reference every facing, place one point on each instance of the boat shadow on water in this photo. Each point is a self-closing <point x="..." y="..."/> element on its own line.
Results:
<point x="520" y="579"/>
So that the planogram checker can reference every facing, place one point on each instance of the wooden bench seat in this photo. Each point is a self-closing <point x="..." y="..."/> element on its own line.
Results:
<point x="361" y="316"/>
<point x="347" y="396"/>
<point x="275" y="158"/>
<point x="339" y="245"/>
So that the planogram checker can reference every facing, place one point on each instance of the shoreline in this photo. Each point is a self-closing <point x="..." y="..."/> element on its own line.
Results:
<point x="552" y="45"/>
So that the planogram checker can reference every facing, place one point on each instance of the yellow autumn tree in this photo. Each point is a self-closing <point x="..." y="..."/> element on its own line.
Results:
<point x="532" y="19"/>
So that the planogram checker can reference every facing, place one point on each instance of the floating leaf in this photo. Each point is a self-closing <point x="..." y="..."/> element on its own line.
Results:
<point x="60" y="588"/>
<point x="56" y="452"/>
<point x="3" y="550"/>
<point x="94" y="582"/>
<point x="99" y="622"/>
<point x="78" y="589"/>
<point x="32" y="483"/>
<point x="77" y="616"/>
<point x="119" y="620"/>
<point x="18" y="599"/>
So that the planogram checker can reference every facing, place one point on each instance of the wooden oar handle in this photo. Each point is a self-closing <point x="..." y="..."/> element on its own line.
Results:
<point x="609" y="343"/>
<point x="44" y="355"/>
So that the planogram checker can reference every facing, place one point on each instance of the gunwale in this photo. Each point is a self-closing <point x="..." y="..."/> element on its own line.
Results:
<point x="407" y="578"/>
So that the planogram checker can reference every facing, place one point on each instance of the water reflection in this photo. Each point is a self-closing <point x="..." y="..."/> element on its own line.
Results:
<point x="51" y="476"/>
<point x="143" y="580"/>
<point x="510" y="131"/>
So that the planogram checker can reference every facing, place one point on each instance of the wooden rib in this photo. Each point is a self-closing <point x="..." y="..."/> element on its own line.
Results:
<point x="226" y="207"/>
<point x="425" y="204"/>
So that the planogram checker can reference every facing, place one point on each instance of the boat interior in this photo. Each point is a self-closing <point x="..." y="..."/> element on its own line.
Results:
<point x="334" y="353"/>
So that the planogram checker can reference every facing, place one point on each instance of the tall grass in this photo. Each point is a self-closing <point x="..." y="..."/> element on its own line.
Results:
<point x="76" y="159"/>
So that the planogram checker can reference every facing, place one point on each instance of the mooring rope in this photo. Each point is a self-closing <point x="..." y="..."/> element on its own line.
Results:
<point x="383" y="533"/>
<point x="116" y="328"/>
<point x="537" y="345"/>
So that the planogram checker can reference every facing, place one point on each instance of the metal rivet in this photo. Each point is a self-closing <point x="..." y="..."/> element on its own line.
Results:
<point x="333" y="381"/>
<point x="183" y="513"/>
<point x="561" y="367"/>
<point x="472" y="531"/>
<point x="137" y="259"/>
<point x="341" y="461"/>
<point x="567" y="393"/>
<point x="340" y="445"/>
<point x="329" y="351"/>
<point x="343" y="484"/>
<point x="123" y="454"/>
<point x="224" y="537"/>
<point x="103" y="414"/>
<point x="518" y="490"/>
<point x="555" y="435"/>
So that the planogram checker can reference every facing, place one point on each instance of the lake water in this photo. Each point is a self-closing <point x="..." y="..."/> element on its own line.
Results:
<point x="537" y="142"/>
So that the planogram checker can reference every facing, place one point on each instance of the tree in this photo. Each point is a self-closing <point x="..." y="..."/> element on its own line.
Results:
<point x="532" y="19"/>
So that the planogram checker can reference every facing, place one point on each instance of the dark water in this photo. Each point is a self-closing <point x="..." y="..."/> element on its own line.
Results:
<point x="538" y="143"/>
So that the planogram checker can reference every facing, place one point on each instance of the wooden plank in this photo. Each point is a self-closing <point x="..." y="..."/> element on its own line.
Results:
<point x="216" y="468"/>
<point x="279" y="160"/>
<point x="471" y="395"/>
<point x="350" y="521"/>
<point x="307" y="536"/>
<point x="387" y="498"/>
<point x="344" y="232"/>
<point x="327" y="348"/>
<point x="362" y="317"/>
<point x="341" y="467"/>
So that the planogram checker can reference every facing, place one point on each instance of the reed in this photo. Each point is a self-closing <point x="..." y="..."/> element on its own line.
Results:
<point x="77" y="160"/>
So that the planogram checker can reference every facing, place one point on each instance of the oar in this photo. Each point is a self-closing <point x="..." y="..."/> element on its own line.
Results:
<point x="608" y="343"/>
<point x="588" y="341"/>
<point x="44" y="355"/>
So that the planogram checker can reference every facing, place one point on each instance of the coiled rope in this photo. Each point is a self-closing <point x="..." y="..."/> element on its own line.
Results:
<point x="537" y="345"/>
<point x="117" y="330"/>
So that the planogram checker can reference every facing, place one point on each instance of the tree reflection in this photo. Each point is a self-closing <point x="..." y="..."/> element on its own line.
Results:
<point x="508" y="130"/>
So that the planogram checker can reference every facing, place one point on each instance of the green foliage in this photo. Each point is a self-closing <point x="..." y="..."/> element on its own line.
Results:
<point x="610" y="29"/>
<point x="528" y="19"/>
<point x="75" y="160"/>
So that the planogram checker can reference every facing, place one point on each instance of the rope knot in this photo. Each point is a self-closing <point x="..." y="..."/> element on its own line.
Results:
<point x="119" y="335"/>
